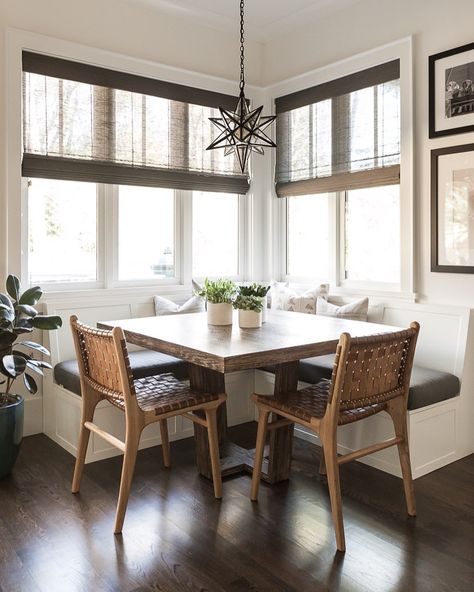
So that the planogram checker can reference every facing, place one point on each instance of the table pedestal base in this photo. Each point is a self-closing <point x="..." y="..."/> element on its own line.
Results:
<point x="234" y="458"/>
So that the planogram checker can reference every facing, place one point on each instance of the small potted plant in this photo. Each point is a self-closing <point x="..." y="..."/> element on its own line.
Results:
<point x="219" y="295"/>
<point x="259" y="291"/>
<point x="18" y="317"/>
<point x="250" y="311"/>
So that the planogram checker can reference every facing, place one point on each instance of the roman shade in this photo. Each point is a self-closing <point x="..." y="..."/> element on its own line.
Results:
<point x="340" y="135"/>
<point x="86" y="123"/>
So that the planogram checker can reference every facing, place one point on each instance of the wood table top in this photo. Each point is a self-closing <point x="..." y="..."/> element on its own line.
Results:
<point x="285" y="337"/>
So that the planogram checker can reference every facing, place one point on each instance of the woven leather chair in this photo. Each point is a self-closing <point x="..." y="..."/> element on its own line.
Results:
<point x="370" y="374"/>
<point x="106" y="374"/>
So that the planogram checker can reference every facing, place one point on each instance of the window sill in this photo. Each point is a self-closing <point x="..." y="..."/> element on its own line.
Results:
<point x="117" y="294"/>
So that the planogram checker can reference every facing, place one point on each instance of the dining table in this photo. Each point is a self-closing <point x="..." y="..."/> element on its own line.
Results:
<point x="213" y="351"/>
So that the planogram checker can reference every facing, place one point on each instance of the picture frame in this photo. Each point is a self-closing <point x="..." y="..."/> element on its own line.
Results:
<point x="452" y="209"/>
<point x="451" y="91"/>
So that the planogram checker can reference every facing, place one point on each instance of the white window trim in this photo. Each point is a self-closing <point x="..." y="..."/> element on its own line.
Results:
<point x="401" y="50"/>
<point x="17" y="223"/>
<point x="108" y="244"/>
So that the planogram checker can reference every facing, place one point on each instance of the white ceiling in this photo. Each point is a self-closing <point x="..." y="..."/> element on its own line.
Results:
<point x="264" y="19"/>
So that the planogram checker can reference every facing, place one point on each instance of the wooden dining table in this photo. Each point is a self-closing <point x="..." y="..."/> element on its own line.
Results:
<point x="212" y="351"/>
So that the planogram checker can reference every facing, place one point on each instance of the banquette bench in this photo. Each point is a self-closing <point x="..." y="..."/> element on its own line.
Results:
<point x="434" y="392"/>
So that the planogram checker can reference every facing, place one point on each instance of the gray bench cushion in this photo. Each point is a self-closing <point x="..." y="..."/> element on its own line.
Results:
<point x="144" y="363"/>
<point x="426" y="387"/>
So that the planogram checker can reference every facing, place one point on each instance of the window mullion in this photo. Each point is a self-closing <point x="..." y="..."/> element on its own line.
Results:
<point x="110" y="235"/>
<point x="184" y="208"/>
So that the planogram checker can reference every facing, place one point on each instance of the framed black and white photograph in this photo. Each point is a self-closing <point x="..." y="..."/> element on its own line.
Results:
<point x="452" y="209"/>
<point x="451" y="91"/>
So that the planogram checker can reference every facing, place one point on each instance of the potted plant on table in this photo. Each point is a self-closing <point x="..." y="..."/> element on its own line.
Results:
<point x="219" y="295"/>
<point x="259" y="291"/>
<point x="250" y="311"/>
<point x="18" y="317"/>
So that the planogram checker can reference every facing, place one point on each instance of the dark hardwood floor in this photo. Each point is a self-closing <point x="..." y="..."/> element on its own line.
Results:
<point x="177" y="538"/>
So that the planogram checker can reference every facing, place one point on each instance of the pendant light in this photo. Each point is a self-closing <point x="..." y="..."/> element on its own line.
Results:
<point x="242" y="130"/>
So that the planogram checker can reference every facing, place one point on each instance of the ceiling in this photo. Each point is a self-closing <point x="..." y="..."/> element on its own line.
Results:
<point x="265" y="19"/>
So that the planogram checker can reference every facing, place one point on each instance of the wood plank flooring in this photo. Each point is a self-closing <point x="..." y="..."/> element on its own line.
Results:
<point x="177" y="538"/>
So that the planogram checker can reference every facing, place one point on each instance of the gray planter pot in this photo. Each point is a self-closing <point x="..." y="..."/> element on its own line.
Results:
<point x="11" y="432"/>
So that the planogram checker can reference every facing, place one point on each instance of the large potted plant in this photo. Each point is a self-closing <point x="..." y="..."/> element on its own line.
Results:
<point x="219" y="295"/>
<point x="259" y="291"/>
<point x="250" y="311"/>
<point x="18" y="317"/>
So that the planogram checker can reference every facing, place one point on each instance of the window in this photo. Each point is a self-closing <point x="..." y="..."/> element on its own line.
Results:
<point x="338" y="166"/>
<point x="372" y="234"/>
<point x="215" y="234"/>
<point x="146" y="233"/>
<point x="308" y="236"/>
<point x="98" y="235"/>
<point x="121" y="189"/>
<point x="62" y="231"/>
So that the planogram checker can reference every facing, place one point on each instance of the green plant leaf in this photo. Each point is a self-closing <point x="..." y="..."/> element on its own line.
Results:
<point x="36" y="346"/>
<point x="21" y="330"/>
<point x="34" y="367"/>
<point x="30" y="384"/>
<point x="13" y="287"/>
<point x="7" y="338"/>
<point x="23" y="325"/>
<point x="6" y="314"/>
<point x="14" y="365"/>
<point x="47" y="323"/>
<point x="6" y="301"/>
<point x="31" y="296"/>
<point x="40" y="363"/>
<point x="26" y="309"/>
<point x="17" y="352"/>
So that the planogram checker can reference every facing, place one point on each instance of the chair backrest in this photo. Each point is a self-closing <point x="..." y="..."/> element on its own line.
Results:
<point x="373" y="369"/>
<point x="103" y="361"/>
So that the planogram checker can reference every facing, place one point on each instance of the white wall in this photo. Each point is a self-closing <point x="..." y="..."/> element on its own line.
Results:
<point x="435" y="25"/>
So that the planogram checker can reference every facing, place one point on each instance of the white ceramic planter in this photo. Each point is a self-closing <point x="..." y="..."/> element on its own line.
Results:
<point x="264" y="309"/>
<point x="219" y="313"/>
<point x="249" y="319"/>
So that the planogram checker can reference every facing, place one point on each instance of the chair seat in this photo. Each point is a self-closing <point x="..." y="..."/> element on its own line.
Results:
<point x="164" y="393"/>
<point x="311" y="402"/>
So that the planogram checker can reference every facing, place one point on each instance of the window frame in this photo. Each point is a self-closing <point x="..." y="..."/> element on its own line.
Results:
<point x="108" y="243"/>
<point x="401" y="50"/>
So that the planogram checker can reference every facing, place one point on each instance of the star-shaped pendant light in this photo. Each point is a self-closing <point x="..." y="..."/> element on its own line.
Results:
<point x="242" y="130"/>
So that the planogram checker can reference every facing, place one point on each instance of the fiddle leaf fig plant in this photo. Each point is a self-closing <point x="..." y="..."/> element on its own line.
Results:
<point x="18" y="316"/>
<point x="218" y="291"/>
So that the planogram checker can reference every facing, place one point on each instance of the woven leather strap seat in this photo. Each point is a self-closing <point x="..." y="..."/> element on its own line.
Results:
<point x="165" y="393"/>
<point x="311" y="402"/>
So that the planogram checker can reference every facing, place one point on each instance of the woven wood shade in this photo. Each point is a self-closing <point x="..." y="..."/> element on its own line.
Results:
<point x="341" y="135"/>
<point x="85" y="123"/>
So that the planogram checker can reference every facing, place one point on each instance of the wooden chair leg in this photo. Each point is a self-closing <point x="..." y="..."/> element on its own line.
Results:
<point x="165" y="443"/>
<point x="211" y="419"/>
<point x="131" y="448"/>
<point x="322" y="463"/>
<point x="397" y="410"/>
<point x="332" y="469"/>
<point x="87" y="414"/>
<point x="259" y="450"/>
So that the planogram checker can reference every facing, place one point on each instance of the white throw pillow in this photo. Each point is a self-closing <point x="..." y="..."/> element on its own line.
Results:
<point x="163" y="306"/>
<point x="285" y="298"/>
<point x="355" y="311"/>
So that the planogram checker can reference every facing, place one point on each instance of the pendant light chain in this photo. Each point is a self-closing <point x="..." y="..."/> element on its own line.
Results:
<point x="242" y="76"/>
<point x="242" y="131"/>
